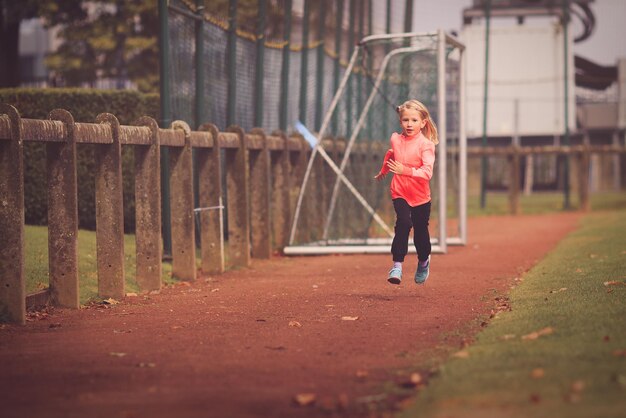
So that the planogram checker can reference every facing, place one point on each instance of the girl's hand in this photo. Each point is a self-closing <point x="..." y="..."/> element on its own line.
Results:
<point x="380" y="176"/>
<point x="396" y="167"/>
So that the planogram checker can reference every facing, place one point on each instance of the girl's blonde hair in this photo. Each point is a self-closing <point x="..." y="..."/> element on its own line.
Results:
<point x="430" y="129"/>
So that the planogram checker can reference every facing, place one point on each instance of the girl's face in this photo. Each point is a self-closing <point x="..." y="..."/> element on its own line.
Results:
<point x="411" y="121"/>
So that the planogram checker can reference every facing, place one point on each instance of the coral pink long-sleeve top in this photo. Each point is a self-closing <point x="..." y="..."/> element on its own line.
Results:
<point x="418" y="154"/>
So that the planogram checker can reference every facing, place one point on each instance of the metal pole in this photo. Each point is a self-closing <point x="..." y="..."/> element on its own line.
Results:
<point x="348" y="116"/>
<point x="442" y="130"/>
<point x="566" y="187"/>
<point x="231" y="62"/>
<point x="166" y="119"/>
<point x="462" y="151"/>
<point x="199" y="99"/>
<point x="483" y="172"/>
<point x="260" y="63"/>
<point x="338" y="37"/>
<point x="199" y="29"/>
<point x="319" y="76"/>
<point x="284" y="75"/>
<point x="304" y="62"/>
<point x="408" y="16"/>
<point x="359" y="77"/>
<point x="385" y="128"/>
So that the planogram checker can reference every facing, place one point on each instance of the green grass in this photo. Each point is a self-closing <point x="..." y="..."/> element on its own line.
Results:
<point x="583" y="377"/>
<point x="36" y="248"/>
<point x="545" y="202"/>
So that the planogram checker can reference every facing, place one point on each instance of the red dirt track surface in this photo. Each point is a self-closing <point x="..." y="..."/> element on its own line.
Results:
<point x="245" y="343"/>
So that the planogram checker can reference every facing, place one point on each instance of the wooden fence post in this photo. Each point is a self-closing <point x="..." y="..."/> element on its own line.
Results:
<point x="210" y="190"/>
<point x="12" y="278"/>
<point x="583" y="178"/>
<point x="238" y="201"/>
<point x="514" y="178"/>
<point x="110" y="213"/>
<point x="183" y="228"/>
<point x="63" y="215"/>
<point x="260" y="198"/>
<point x="149" y="247"/>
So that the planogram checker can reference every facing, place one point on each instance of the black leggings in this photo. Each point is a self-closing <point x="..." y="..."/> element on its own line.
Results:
<point x="407" y="217"/>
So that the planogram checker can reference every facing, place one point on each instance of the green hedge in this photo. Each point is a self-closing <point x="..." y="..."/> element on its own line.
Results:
<point x="85" y="105"/>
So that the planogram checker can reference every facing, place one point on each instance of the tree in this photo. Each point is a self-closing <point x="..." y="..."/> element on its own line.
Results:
<point x="12" y="13"/>
<point x="118" y="40"/>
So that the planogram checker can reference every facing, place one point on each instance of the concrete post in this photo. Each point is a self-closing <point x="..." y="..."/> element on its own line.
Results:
<point x="210" y="189"/>
<point x="63" y="215"/>
<point x="149" y="247"/>
<point x="260" y="199"/>
<point x="281" y="186"/>
<point x="181" y="187"/>
<point x="12" y="279"/>
<point x="238" y="201"/>
<point x="110" y="213"/>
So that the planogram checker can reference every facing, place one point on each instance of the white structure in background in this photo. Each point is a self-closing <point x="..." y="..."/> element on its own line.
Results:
<point x="526" y="86"/>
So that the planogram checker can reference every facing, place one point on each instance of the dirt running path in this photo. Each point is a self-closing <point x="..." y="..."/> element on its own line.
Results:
<point x="244" y="343"/>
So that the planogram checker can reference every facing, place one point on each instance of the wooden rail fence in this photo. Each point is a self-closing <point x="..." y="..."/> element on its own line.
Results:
<point x="581" y="154"/>
<point x="250" y="160"/>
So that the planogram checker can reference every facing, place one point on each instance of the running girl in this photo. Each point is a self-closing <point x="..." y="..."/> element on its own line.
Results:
<point x="411" y="160"/>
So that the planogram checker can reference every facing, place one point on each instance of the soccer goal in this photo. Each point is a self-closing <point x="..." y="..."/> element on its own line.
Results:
<point x="340" y="208"/>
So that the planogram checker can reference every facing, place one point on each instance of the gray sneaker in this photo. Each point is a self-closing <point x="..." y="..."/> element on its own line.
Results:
<point x="395" y="275"/>
<point x="422" y="272"/>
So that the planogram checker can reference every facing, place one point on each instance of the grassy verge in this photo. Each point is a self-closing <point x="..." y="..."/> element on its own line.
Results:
<point x="544" y="202"/>
<point x="560" y="351"/>
<point x="36" y="243"/>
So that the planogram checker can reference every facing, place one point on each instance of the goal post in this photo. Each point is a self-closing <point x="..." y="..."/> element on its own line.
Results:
<point x="339" y="207"/>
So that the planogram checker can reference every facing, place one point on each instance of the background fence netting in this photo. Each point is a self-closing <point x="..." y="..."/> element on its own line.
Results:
<point x="341" y="208"/>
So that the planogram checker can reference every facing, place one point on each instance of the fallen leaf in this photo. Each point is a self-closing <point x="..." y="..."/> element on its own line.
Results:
<point x="305" y="399"/>
<point x="183" y="284"/>
<point x="117" y="354"/>
<point x="295" y="324"/>
<point x="415" y="379"/>
<point x="577" y="386"/>
<point x="619" y="353"/>
<point x="110" y="301"/>
<point x="507" y="337"/>
<point x="349" y="318"/>
<point x="131" y="295"/>
<point x="148" y="365"/>
<point x="537" y="334"/>
<point x="215" y="290"/>
<point x="579" y="270"/>
<point x="563" y="289"/>
<point x="362" y="374"/>
<point x="461" y="354"/>
<point x="614" y="283"/>
<point x="537" y="373"/>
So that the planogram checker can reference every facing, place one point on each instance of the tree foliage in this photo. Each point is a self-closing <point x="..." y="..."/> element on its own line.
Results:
<point x="12" y="13"/>
<point x="116" y="39"/>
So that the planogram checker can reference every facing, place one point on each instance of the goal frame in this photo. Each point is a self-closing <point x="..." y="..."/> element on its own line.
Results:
<point x="381" y="245"/>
